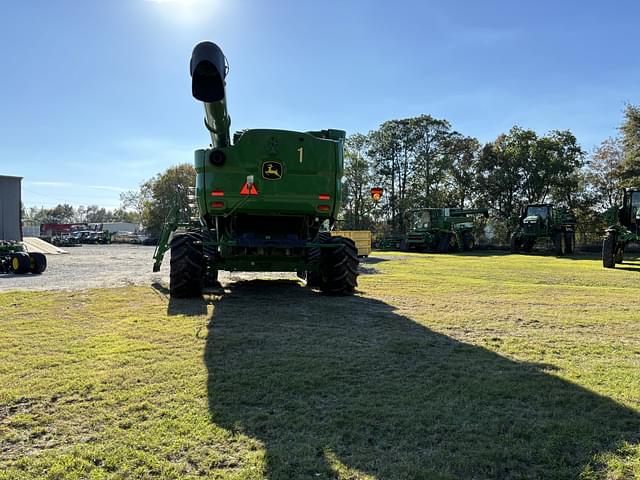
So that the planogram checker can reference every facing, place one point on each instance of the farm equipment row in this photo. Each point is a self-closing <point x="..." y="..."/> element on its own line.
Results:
<point x="81" y="237"/>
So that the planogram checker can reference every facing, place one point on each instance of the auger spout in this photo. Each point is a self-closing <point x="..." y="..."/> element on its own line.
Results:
<point x="208" y="72"/>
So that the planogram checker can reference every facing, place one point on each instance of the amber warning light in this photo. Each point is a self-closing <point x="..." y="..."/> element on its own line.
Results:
<point x="376" y="194"/>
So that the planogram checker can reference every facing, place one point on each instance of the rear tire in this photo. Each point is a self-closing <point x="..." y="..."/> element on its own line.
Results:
<point x="559" y="245"/>
<point x="570" y="242"/>
<point x="444" y="245"/>
<point x="468" y="242"/>
<point x="20" y="263"/>
<point x="619" y="254"/>
<point x="187" y="266"/>
<point x="37" y="262"/>
<point x="315" y="254"/>
<point x="608" y="250"/>
<point x="528" y="244"/>
<point x="339" y="267"/>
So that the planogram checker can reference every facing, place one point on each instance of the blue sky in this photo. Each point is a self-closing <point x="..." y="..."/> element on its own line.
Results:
<point x="95" y="95"/>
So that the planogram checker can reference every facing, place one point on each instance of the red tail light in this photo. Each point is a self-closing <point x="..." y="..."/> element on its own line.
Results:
<point x="323" y="208"/>
<point x="217" y="204"/>
<point x="217" y="193"/>
<point x="324" y="196"/>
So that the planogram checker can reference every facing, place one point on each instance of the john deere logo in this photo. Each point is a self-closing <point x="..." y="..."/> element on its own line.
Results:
<point x="272" y="170"/>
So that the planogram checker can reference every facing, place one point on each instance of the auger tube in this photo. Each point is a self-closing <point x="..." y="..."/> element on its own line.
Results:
<point x="208" y="72"/>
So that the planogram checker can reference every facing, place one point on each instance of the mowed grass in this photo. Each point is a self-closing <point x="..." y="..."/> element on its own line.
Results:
<point x="443" y="366"/>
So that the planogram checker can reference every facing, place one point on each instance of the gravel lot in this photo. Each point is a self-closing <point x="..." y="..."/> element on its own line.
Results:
<point x="99" y="266"/>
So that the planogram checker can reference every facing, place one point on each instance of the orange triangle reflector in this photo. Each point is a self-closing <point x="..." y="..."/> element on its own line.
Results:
<point x="245" y="190"/>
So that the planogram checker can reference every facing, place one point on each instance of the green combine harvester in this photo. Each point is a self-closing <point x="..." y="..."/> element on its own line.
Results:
<point x="623" y="227"/>
<point x="545" y="221"/>
<point x="263" y="202"/>
<point x="14" y="258"/>
<point x="442" y="229"/>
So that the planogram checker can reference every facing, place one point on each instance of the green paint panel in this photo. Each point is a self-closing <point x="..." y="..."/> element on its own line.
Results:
<point x="291" y="171"/>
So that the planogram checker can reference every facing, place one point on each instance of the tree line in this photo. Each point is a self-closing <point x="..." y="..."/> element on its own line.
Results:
<point x="423" y="162"/>
<point x="66" y="213"/>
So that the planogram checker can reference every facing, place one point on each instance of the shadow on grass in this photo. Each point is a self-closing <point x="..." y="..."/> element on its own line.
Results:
<point x="182" y="306"/>
<point x="629" y="267"/>
<point x="346" y="385"/>
<point x="372" y="260"/>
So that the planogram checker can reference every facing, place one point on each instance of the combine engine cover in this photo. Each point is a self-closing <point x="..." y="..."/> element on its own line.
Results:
<point x="272" y="172"/>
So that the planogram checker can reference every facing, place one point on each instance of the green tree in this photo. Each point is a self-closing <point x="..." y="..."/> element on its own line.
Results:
<point x="603" y="173"/>
<point x="95" y="214"/>
<point x="62" y="213"/>
<point x="564" y="163"/>
<point x="410" y="159"/>
<point x="385" y="150"/>
<point x="356" y="183"/>
<point x="433" y="162"/>
<point x="462" y="153"/>
<point x="630" y="128"/>
<point x="155" y="197"/>
<point x="499" y="184"/>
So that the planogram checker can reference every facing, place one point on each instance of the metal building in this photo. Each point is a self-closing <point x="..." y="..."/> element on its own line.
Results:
<point x="10" y="198"/>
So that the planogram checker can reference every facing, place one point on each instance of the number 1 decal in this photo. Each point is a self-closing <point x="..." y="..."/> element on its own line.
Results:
<point x="301" y="152"/>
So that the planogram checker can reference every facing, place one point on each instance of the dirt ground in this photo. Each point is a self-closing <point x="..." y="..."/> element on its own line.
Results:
<point x="101" y="266"/>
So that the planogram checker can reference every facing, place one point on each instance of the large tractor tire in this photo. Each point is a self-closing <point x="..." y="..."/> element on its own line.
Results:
<point x="37" y="262"/>
<point x="468" y="241"/>
<point x="20" y="263"/>
<point x="446" y="243"/>
<point x="609" y="245"/>
<point x="527" y="245"/>
<point x="313" y="278"/>
<point x="559" y="245"/>
<point x="570" y="242"/>
<point x="339" y="267"/>
<point x="210" y="273"/>
<point x="187" y="265"/>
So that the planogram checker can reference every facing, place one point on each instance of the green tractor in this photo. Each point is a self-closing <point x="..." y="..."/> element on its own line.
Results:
<point x="14" y="258"/>
<point x="623" y="227"/>
<point x="442" y="229"/>
<point x="263" y="202"/>
<point x="544" y="220"/>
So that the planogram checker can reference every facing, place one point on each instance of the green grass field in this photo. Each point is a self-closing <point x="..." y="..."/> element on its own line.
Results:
<point x="471" y="366"/>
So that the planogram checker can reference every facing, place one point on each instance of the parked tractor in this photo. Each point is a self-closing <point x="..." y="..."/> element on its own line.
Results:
<point x="260" y="200"/>
<point x="623" y="227"/>
<point x="14" y="258"/>
<point x="442" y="229"/>
<point x="545" y="221"/>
